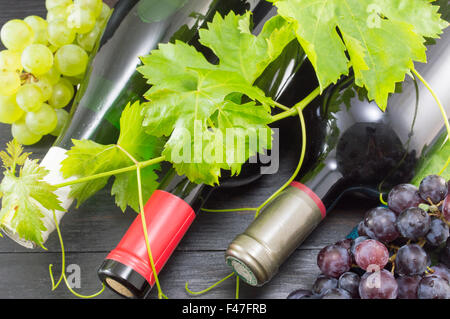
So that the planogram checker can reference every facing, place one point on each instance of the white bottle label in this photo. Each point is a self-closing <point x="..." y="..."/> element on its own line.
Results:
<point x="52" y="162"/>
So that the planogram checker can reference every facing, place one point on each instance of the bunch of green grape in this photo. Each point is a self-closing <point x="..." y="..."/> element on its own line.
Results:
<point x="43" y="61"/>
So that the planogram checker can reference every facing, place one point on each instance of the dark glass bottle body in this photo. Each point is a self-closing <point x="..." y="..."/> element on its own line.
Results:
<point x="352" y="147"/>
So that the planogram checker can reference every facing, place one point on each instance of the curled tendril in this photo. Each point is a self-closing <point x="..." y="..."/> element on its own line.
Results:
<point x="63" y="267"/>
<point x="382" y="200"/>
<point x="196" y="293"/>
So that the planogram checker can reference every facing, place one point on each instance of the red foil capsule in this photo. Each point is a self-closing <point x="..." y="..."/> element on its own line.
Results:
<point x="127" y="270"/>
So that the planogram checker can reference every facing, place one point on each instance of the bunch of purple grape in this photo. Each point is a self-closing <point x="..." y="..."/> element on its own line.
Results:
<point x="393" y="254"/>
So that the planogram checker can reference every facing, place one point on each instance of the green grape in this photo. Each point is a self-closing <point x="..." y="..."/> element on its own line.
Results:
<point x="39" y="27"/>
<point x="23" y="135"/>
<point x="104" y="13"/>
<point x="71" y="60"/>
<point x="82" y="20"/>
<point x="63" y="117"/>
<point x="46" y="87"/>
<point x="10" y="61"/>
<point x="57" y="13"/>
<point x="53" y="75"/>
<point x="88" y="40"/>
<point x="63" y="92"/>
<point x="59" y="34"/>
<point x="50" y="4"/>
<point x="10" y="112"/>
<point x="9" y="82"/>
<point x="16" y="35"/>
<point x="30" y="97"/>
<point x="37" y="59"/>
<point x="94" y="5"/>
<point x="43" y="121"/>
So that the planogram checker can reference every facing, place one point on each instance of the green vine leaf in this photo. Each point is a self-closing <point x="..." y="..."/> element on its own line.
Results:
<point x="13" y="156"/>
<point x="87" y="158"/>
<point x="434" y="160"/>
<point x="241" y="51"/>
<point x="195" y="102"/>
<point x="25" y="194"/>
<point x="382" y="38"/>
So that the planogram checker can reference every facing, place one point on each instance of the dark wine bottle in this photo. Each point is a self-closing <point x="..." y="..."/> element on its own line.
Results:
<point x="354" y="148"/>
<point x="169" y="213"/>
<point x="134" y="29"/>
<point x="172" y="209"/>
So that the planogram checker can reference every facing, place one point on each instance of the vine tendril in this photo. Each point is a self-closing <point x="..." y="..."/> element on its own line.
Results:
<point x="63" y="268"/>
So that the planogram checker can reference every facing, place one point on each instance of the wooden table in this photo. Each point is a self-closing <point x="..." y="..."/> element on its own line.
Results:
<point x="93" y="230"/>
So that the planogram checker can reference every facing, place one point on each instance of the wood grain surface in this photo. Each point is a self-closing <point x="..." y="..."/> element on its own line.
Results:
<point x="93" y="230"/>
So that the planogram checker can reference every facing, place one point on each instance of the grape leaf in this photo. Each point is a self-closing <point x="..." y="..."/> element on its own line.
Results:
<point x="13" y="156"/>
<point x="25" y="195"/>
<point x="237" y="133"/>
<point x="241" y="51"/>
<point x="87" y="158"/>
<point x="189" y="98"/>
<point x="433" y="160"/>
<point x="381" y="37"/>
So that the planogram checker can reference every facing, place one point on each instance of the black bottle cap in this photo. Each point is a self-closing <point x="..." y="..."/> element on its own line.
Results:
<point x="123" y="280"/>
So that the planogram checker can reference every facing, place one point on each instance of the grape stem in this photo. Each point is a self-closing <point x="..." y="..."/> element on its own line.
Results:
<point x="299" y="106"/>
<point x="113" y="172"/>
<point x="421" y="242"/>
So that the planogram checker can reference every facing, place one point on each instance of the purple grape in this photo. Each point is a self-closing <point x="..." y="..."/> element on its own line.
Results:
<point x="323" y="283"/>
<point x="441" y="271"/>
<point x="446" y="208"/>
<point x="380" y="224"/>
<point x="371" y="255"/>
<point x="345" y="243"/>
<point x="361" y="229"/>
<point x="444" y="255"/>
<point x="336" y="293"/>
<point x="403" y="196"/>
<point x="378" y="285"/>
<point x="411" y="260"/>
<point x="349" y="281"/>
<point x="407" y="287"/>
<point x="334" y="260"/>
<point x="413" y="223"/>
<point x="434" y="188"/>
<point x="438" y="233"/>
<point x="433" y="287"/>
<point x="356" y="242"/>
<point x="299" y="294"/>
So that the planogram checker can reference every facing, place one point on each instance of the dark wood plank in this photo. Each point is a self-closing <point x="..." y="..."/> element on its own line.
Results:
<point x="24" y="279"/>
<point x="93" y="230"/>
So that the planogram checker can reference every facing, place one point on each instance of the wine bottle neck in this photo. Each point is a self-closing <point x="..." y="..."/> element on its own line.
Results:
<point x="195" y="195"/>
<point x="325" y="182"/>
